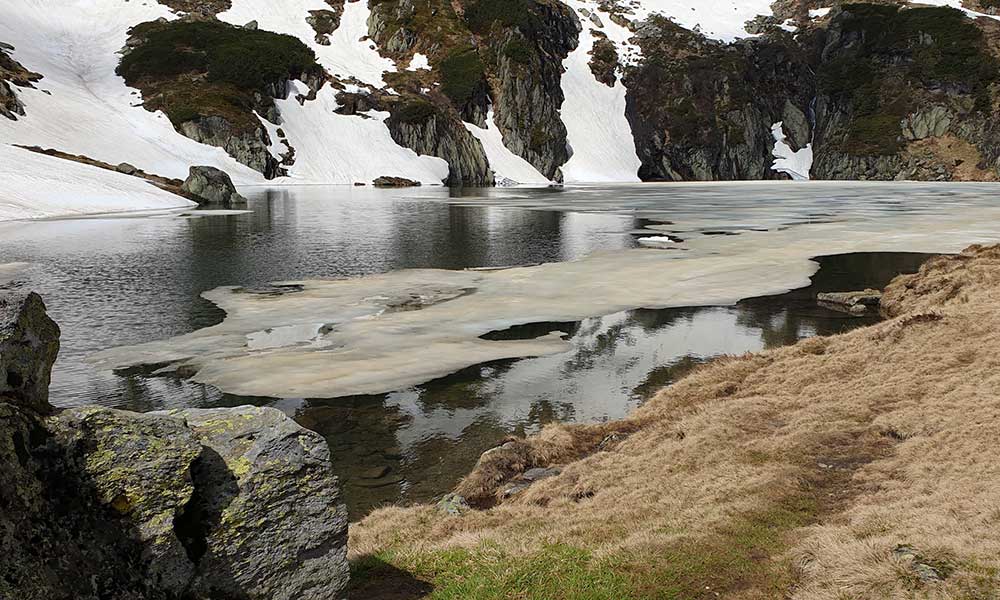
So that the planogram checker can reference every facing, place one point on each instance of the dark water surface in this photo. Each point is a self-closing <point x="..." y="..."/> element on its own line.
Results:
<point x="112" y="282"/>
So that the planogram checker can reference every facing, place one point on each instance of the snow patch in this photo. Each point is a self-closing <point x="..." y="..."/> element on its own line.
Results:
<point x="37" y="186"/>
<point x="509" y="168"/>
<point x="345" y="149"/>
<point x="81" y="106"/>
<point x="419" y="63"/>
<point x="819" y="12"/>
<point x="797" y="164"/>
<point x="599" y="135"/>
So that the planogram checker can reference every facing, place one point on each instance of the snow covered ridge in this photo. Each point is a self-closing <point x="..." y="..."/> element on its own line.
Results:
<point x="82" y="105"/>
<point x="392" y="109"/>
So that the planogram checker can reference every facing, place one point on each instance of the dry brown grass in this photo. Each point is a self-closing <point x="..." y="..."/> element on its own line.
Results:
<point x="791" y="473"/>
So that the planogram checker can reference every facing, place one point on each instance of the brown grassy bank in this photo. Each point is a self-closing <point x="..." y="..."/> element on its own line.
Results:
<point x="858" y="466"/>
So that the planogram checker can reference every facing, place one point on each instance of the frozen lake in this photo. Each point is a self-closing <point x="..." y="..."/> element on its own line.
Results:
<point x="613" y="312"/>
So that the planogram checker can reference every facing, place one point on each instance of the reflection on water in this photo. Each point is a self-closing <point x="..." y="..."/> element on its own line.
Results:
<point x="413" y="445"/>
<point x="113" y="282"/>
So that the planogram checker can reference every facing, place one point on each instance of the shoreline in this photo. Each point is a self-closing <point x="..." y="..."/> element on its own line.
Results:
<point x="847" y="464"/>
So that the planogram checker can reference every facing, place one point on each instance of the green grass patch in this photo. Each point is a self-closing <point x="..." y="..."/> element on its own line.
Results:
<point x="740" y="555"/>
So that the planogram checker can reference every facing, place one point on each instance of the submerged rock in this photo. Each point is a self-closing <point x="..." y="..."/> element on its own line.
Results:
<point x="855" y="303"/>
<point x="212" y="185"/>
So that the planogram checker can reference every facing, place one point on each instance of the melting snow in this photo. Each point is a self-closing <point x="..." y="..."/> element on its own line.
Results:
<point x="797" y="164"/>
<point x="509" y="168"/>
<point x="419" y="63"/>
<point x="599" y="135"/>
<point x="36" y="186"/>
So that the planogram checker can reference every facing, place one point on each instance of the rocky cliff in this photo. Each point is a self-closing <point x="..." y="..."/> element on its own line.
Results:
<point x="12" y="74"/>
<point x="196" y="504"/>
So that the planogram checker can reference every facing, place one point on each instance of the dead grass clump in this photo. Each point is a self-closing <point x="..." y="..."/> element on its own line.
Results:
<point x="795" y="473"/>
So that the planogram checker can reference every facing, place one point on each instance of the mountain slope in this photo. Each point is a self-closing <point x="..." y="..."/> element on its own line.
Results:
<point x="522" y="91"/>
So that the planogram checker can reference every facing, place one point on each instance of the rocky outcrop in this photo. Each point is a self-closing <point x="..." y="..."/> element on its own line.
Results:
<point x="716" y="122"/>
<point x="435" y="132"/>
<point x="211" y="186"/>
<point x="855" y="303"/>
<point x="250" y="147"/>
<point x="891" y="79"/>
<point x="13" y="74"/>
<point x="509" y="58"/>
<point x="394" y="182"/>
<point x="526" y="84"/>
<point x="29" y="343"/>
<point x="196" y="504"/>
<point x="195" y="70"/>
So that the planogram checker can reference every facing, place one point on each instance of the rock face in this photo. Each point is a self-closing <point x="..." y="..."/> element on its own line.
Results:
<point x="442" y="135"/>
<point x="716" y="125"/>
<point x="212" y="186"/>
<point x="195" y="504"/>
<point x="249" y="146"/>
<point x="29" y="343"/>
<point x="259" y="472"/>
<point x="12" y="74"/>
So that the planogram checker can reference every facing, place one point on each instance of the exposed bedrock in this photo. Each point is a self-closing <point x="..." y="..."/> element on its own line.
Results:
<point x="12" y="75"/>
<point x="437" y="133"/>
<point x="106" y="504"/>
<point x="527" y="86"/>
<point x="715" y="121"/>
<point x="250" y="147"/>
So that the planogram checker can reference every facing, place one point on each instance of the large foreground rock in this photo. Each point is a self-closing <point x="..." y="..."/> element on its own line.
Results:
<point x="97" y="503"/>
<point x="29" y="343"/>
<point x="212" y="186"/>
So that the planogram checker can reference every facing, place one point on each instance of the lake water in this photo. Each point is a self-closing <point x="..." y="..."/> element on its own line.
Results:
<point x="114" y="282"/>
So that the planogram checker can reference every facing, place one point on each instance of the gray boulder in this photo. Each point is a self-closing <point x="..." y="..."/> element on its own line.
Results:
<point x="269" y="507"/>
<point x="212" y="186"/>
<point x="29" y="344"/>
<point x="126" y="169"/>
<point x="197" y="504"/>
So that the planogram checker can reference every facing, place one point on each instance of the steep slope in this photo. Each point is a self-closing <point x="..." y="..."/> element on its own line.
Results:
<point x="477" y="92"/>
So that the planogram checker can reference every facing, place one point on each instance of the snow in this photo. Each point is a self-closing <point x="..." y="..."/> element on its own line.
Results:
<point x="957" y="4"/>
<point x="505" y="164"/>
<point x="420" y="62"/>
<point x="819" y="12"/>
<point x="344" y="149"/>
<point x="599" y="135"/>
<point x="36" y="186"/>
<point x="719" y="19"/>
<point x="347" y="55"/>
<point x="81" y="106"/>
<point x="797" y="164"/>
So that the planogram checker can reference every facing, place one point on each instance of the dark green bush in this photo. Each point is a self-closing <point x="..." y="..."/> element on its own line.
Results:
<point x="462" y="73"/>
<point x="414" y="111"/>
<point x="519" y="51"/>
<point x="249" y="59"/>
<point x="481" y="15"/>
